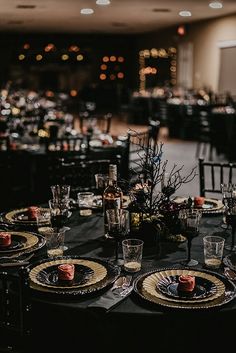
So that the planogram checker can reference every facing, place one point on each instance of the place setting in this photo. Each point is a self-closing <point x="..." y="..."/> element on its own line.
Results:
<point x="14" y="245"/>
<point x="70" y="276"/>
<point x="188" y="286"/>
<point x="25" y="217"/>
<point x="208" y="206"/>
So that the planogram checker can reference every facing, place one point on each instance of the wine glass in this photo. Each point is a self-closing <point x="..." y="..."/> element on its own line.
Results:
<point x="230" y="216"/>
<point x="226" y="190"/>
<point x="190" y="220"/>
<point x="60" y="192"/>
<point x="118" y="227"/>
<point x="60" y="214"/>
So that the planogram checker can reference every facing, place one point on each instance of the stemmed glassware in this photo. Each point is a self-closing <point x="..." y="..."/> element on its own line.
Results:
<point x="226" y="190"/>
<point x="118" y="227"/>
<point x="190" y="220"/>
<point x="60" y="207"/>
<point x="60" y="192"/>
<point x="229" y="201"/>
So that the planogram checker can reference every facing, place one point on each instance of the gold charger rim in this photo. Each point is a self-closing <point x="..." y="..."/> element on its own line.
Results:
<point x="217" y="208"/>
<point x="99" y="274"/>
<point x="31" y="240"/>
<point x="150" y="285"/>
<point x="9" y="217"/>
<point x="228" y="296"/>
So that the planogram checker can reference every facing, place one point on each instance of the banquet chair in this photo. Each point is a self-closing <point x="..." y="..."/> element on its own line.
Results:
<point x="81" y="175"/>
<point x="213" y="174"/>
<point x="137" y="145"/>
<point x="95" y="123"/>
<point x="204" y="136"/>
<point x="15" y="311"/>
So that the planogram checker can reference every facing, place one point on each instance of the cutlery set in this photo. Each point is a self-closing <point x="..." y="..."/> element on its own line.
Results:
<point x="125" y="284"/>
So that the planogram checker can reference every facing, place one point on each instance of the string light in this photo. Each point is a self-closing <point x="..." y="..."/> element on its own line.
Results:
<point x="21" y="57"/>
<point x="147" y="70"/>
<point x="39" y="57"/>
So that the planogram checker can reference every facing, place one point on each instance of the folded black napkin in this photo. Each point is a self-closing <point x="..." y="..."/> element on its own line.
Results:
<point x="110" y="299"/>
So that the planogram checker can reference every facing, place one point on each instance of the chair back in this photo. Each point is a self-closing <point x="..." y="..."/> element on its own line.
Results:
<point x="15" y="310"/>
<point x="80" y="175"/>
<point x="137" y="145"/>
<point x="213" y="174"/>
<point x="100" y="123"/>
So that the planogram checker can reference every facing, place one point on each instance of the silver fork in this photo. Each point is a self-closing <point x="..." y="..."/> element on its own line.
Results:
<point x="230" y="274"/>
<point x="118" y="283"/>
<point x="127" y="287"/>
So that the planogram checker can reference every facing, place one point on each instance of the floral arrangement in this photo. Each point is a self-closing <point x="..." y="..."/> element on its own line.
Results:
<point x="152" y="188"/>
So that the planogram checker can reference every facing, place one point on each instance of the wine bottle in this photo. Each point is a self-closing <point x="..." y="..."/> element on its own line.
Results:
<point x="112" y="196"/>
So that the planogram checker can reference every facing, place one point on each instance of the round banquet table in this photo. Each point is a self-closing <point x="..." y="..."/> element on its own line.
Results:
<point x="134" y="325"/>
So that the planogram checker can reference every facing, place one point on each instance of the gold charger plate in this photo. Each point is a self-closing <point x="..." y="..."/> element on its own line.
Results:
<point x="13" y="217"/>
<point x="28" y="240"/>
<point x="99" y="272"/>
<point x="211" y="205"/>
<point x="151" y="297"/>
<point x="112" y="273"/>
<point x="150" y="284"/>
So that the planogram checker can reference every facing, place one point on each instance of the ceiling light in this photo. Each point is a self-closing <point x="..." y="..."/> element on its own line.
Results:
<point x="86" y="11"/>
<point x="185" y="13"/>
<point x="216" y="5"/>
<point x="103" y="2"/>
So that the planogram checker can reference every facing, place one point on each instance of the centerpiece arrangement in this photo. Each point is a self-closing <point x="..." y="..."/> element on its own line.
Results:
<point x="152" y="212"/>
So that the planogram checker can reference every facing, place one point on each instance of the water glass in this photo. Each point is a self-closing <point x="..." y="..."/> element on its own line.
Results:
<point x="54" y="242"/>
<point x="85" y="202"/>
<point x="132" y="254"/>
<point x="60" y="213"/>
<point x="213" y="251"/>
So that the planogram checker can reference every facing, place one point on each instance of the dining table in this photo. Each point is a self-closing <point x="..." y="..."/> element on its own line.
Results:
<point x="62" y="323"/>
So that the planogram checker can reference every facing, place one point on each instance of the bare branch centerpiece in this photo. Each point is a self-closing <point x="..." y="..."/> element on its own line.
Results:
<point x="152" y="211"/>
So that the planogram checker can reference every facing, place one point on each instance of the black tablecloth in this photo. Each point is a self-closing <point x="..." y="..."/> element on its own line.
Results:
<point x="133" y="325"/>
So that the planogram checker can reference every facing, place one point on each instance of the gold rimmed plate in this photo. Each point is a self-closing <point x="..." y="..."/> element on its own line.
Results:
<point x="20" y="217"/>
<point x="21" y="241"/>
<point x="146" y="287"/>
<point x="102" y="274"/>
<point x="151" y="285"/>
<point x="210" y="206"/>
<point x="43" y="273"/>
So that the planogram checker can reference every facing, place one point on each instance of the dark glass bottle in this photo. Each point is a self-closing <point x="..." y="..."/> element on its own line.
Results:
<point x="112" y="196"/>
